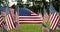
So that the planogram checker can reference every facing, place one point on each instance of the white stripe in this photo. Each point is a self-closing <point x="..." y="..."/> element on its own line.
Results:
<point x="1" y="22"/>
<point x="54" y="22"/>
<point x="50" y="16"/>
<point x="7" y="23"/>
<point x="34" y="14"/>
<point x="46" y="17"/>
<point x="11" y="21"/>
<point x="0" y="15"/>
<point x="30" y="16"/>
<point x="1" y="18"/>
<point x="53" y="18"/>
<point x="30" y="21"/>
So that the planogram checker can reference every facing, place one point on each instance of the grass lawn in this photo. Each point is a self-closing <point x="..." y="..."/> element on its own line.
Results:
<point x="29" y="28"/>
<point x="57" y="31"/>
<point x="0" y="30"/>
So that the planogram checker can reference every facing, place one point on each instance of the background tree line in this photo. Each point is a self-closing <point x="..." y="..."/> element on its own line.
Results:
<point x="38" y="6"/>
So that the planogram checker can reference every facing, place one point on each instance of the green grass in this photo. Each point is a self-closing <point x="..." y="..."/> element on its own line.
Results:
<point x="29" y="28"/>
<point x="14" y="31"/>
<point x="44" y="31"/>
<point x="48" y="24"/>
<point x="0" y="30"/>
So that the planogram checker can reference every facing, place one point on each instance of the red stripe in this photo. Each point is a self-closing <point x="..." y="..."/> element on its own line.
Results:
<point x="1" y="20"/>
<point x="13" y="20"/>
<point x="46" y="17"/>
<point x="22" y="19"/>
<point x="56" y="23"/>
<point x="10" y="22"/>
<point x="29" y="17"/>
<point x="12" y="25"/>
<point x="7" y="22"/>
<point x="54" y="20"/>
<point x="51" y="15"/>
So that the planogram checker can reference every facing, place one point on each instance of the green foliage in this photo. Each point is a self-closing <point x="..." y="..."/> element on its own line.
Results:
<point x="34" y="8"/>
<point x="48" y="24"/>
<point x="56" y="5"/>
<point x="4" y="18"/>
<point x="1" y="2"/>
<point x="31" y="28"/>
<point x="37" y="6"/>
<point x="0" y="30"/>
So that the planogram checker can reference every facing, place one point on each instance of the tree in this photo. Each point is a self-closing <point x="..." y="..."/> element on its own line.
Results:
<point x="46" y="4"/>
<point x="1" y="2"/>
<point x="56" y="4"/>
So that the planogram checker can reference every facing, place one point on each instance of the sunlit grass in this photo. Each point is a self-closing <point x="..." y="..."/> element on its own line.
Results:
<point x="0" y="30"/>
<point x="31" y="28"/>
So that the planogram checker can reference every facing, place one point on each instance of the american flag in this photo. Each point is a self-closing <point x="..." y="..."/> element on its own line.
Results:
<point x="33" y="19"/>
<point x="9" y="19"/>
<point x="54" y="17"/>
<point x="46" y="16"/>
<point x="1" y="20"/>
<point x="45" y="19"/>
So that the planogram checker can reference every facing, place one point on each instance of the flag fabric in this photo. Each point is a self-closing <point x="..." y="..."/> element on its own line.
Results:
<point x="1" y="20"/>
<point x="54" y="18"/>
<point x="9" y="19"/>
<point x="31" y="18"/>
<point x="1" y="15"/>
<point x="3" y="24"/>
<point x="45" y="21"/>
<point x="58" y="26"/>
<point x="54" y="21"/>
<point x="46" y="16"/>
<point x="24" y="12"/>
